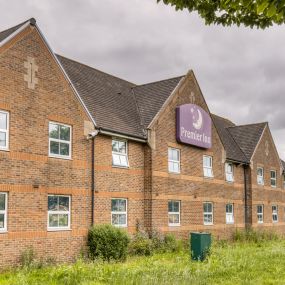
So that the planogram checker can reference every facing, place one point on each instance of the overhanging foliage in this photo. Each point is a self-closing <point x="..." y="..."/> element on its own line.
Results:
<point x="252" y="13"/>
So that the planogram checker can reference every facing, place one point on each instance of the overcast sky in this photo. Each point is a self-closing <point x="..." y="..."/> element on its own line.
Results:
<point x="241" y="71"/>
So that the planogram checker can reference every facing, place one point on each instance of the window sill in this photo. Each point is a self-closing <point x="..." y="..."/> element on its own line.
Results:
<point x="120" y="226"/>
<point x="174" y="225"/>
<point x="3" y="232"/>
<point x="58" y="230"/>
<point x="175" y="173"/>
<point x="5" y="149"/>
<point x="260" y="223"/>
<point x="230" y="223"/>
<point x="209" y="177"/>
<point x="209" y="224"/>
<point x="120" y="166"/>
<point x="230" y="182"/>
<point x="60" y="157"/>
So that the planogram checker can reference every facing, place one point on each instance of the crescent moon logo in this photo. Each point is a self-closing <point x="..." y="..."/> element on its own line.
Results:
<point x="198" y="124"/>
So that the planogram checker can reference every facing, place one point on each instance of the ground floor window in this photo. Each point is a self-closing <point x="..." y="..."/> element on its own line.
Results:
<point x="230" y="213"/>
<point x="119" y="212"/>
<point x="208" y="213"/>
<point x="174" y="213"/>
<point x="3" y="212"/>
<point x="58" y="212"/>
<point x="275" y="214"/>
<point x="260" y="214"/>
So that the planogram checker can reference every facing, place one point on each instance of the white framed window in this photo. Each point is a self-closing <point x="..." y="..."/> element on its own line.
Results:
<point x="120" y="153"/>
<point x="208" y="213"/>
<point x="208" y="165"/>
<point x="229" y="213"/>
<point x="3" y="212"/>
<point x="59" y="140"/>
<point x="274" y="213"/>
<point x="259" y="214"/>
<point x="58" y="212"/>
<point x="229" y="169"/>
<point x="119" y="212"/>
<point x="174" y="213"/>
<point x="273" y="178"/>
<point x="260" y="176"/>
<point x="173" y="160"/>
<point x="4" y="130"/>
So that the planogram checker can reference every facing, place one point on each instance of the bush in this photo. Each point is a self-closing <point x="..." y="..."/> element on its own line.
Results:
<point x="108" y="242"/>
<point x="141" y="244"/>
<point x="172" y="244"/>
<point x="27" y="257"/>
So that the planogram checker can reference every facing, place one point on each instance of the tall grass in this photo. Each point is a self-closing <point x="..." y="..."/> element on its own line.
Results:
<point x="232" y="263"/>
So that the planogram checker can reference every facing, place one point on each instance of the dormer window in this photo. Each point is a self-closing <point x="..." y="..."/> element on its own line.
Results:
<point x="208" y="166"/>
<point x="273" y="178"/>
<point x="260" y="176"/>
<point x="119" y="153"/>
<point x="229" y="169"/>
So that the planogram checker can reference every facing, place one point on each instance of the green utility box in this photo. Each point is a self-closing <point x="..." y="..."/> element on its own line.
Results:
<point x="200" y="245"/>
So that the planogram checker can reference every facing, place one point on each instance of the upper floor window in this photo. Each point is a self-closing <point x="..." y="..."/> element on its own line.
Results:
<point x="275" y="214"/>
<point x="273" y="178"/>
<point x="230" y="213"/>
<point x="208" y="165"/>
<point x="59" y="140"/>
<point x="173" y="160"/>
<point x="260" y="214"/>
<point x="260" y="176"/>
<point x="229" y="168"/>
<point x="4" y="130"/>
<point x="208" y="213"/>
<point x="3" y="212"/>
<point x="119" y="153"/>
<point x="174" y="213"/>
<point x="58" y="212"/>
<point x="119" y="212"/>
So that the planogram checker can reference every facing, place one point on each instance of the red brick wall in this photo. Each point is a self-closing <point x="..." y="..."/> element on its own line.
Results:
<point x="115" y="182"/>
<point x="266" y="194"/>
<point x="190" y="186"/>
<point x="27" y="163"/>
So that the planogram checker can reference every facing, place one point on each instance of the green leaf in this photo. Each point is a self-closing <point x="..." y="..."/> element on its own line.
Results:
<point x="262" y="7"/>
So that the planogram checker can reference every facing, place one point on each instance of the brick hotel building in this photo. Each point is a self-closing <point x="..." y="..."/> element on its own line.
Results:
<point x="81" y="147"/>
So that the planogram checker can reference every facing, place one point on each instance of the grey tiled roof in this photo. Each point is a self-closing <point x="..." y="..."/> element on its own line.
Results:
<point x="109" y="99"/>
<point x="150" y="97"/>
<point x="116" y="104"/>
<point x="233" y="151"/>
<point x="5" y="34"/>
<point x="247" y="137"/>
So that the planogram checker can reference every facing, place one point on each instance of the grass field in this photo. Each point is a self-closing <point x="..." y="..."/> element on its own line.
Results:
<point x="238" y="263"/>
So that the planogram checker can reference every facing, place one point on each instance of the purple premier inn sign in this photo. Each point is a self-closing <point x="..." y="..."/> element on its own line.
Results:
<point x="193" y="126"/>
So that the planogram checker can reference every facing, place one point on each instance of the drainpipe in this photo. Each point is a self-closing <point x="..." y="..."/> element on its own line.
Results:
<point x="245" y="197"/>
<point x="91" y="137"/>
<point x="248" y="209"/>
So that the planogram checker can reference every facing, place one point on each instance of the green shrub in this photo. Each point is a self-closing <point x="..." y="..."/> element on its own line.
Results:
<point x="172" y="244"/>
<point x="27" y="257"/>
<point x="141" y="244"/>
<point x="108" y="242"/>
